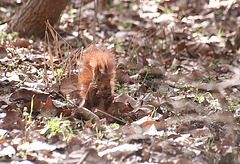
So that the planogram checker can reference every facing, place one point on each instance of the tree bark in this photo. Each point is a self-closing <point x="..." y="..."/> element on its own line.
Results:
<point x="31" y="18"/>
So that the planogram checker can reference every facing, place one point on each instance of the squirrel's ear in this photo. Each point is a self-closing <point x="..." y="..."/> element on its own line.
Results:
<point x="97" y="70"/>
<point x="106" y="68"/>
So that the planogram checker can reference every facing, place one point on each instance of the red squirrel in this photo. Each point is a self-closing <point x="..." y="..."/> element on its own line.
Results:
<point x="96" y="79"/>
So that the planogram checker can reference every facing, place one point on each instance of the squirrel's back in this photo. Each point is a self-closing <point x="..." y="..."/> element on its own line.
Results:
<point x="97" y="67"/>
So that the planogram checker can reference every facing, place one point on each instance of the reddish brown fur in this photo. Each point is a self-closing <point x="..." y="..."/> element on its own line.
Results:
<point x="96" y="80"/>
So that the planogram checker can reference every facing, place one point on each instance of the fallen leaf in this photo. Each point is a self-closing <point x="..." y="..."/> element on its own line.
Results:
<point x="37" y="106"/>
<point x="69" y="84"/>
<point x="3" y="52"/>
<point x="122" y="76"/>
<point x="21" y="43"/>
<point x="121" y="151"/>
<point x="27" y="94"/>
<point x="159" y="125"/>
<point x="198" y="49"/>
<point x="49" y="109"/>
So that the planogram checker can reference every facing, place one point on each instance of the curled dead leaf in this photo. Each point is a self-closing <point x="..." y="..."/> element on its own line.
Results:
<point x="122" y="76"/>
<point x="198" y="49"/>
<point x="69" y="84"/>
<point x="21" y="43"/>
<point x="124" y="98"/>
<point x="27" y="94"/>
<point x="3" y="52"/>
<point x="12" y="121"/>
<point x="121" y="150"/>
<point x="37" y="106"/>
<point x="118" y="108"/>
<point x="49" y="109"/>
<point x="159" y="125"/>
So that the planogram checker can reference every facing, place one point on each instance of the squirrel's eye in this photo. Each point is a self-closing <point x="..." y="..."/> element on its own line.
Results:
<point x="98" y="79"/>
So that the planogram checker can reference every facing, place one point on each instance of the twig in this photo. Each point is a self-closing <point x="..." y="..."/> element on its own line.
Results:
<point x="109" y="115"/>
<point x="84" y="156"/>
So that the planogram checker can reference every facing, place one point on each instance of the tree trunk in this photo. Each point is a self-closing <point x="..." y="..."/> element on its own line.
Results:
<point x="30" y="19"/>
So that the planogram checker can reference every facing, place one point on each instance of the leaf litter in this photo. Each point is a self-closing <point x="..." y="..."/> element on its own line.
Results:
<point x="176" y="97"/>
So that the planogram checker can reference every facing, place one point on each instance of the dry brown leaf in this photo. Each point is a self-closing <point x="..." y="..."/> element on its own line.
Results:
<point x="198" y="133"/>
<point x="21" y="43"/>
<point x="37" y="106"/>
<point x="121" y="150"/>
<point x="10" y="118"/>
<point x="183" y="128"/>
<point x="198" y="49"/>
<point x="122" y="76"/>
<point x="3" y="52"/>
<point x="129" y="130"/>
<point x="159" y="125"/>
<point x="49" y="109"/>
<point x="27" y="94"/>
<point x="93" y="157"/>
<point x="30" y="157"/>
<point x="69" y="84"/>
<point x="184" y="160"/>
<point x="118" y="108"/>
<point x="73" y="140"/>
<point x="12" y="121"/>
<point x="124" y="98"/>
<point x="65" y="113"/>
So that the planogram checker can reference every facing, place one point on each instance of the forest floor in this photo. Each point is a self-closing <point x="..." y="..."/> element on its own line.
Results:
<point x="177" y="85"/>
